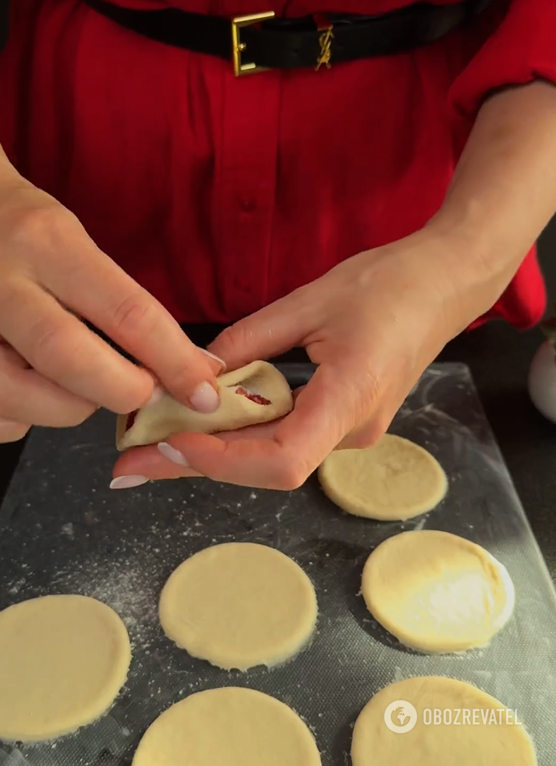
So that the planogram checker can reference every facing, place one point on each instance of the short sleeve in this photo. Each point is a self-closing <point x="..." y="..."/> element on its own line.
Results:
<point x="522" y="49"/>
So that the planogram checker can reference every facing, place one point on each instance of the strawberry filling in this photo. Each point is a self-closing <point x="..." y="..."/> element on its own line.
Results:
<point x="251" y="396"/>
<point x="131" y="419"/>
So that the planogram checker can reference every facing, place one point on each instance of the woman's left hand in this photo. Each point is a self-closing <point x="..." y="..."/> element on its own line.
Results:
<point x="372" y="325"/>
<point x="376" y="321"/>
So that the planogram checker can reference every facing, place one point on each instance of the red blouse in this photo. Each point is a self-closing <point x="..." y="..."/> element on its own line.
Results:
<point x="220" y="194"/>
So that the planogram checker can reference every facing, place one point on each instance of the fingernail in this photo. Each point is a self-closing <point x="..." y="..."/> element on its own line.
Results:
<point x="126" y="482"/>
<point x="204" y="398"/>
<point x="221" y="362"/>
<point x="157" y="395"/>
<point x="172" y="454"/>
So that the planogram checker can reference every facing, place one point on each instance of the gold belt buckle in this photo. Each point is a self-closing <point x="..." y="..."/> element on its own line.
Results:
<point x="238" y="47"/>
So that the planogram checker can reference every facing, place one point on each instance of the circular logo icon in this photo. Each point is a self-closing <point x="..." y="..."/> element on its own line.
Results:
<point x="400" y="717"/>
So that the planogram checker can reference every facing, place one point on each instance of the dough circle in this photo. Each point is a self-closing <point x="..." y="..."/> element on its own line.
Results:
<point x="466" y="744"/>
<point x="239" y="605"/>
<point x="63" y="660"/>
<point x="437" y="592"/>
<point x="228" y="727"/>
<point x="392" y="481"/>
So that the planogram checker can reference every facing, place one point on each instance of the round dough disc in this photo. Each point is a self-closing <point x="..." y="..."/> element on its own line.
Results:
<point x="392" y="481"/>
<point x="437" y="592"/>
<point x="63" y="660"/>
<point x="228" y="727"/>
<point x="239" y="605"/>
<point x="504" y="743"/>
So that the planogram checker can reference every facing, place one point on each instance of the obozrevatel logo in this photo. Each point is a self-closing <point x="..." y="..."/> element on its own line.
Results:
<point x="400" y="717"/>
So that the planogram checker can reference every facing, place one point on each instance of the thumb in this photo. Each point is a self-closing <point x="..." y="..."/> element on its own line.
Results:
<point x="266" y="333"/>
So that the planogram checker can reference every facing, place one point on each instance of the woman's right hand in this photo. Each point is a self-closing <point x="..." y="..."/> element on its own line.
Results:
<point x="54" y="371"/>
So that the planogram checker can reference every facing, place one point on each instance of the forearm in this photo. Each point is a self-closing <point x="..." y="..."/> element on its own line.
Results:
<point x="504" y="190"/>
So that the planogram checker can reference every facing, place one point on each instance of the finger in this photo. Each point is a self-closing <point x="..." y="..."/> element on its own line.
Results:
<point x="60" y="347"/>
<point x="267" y="333"/>
<point x="152" y="463"/>
<point x="149" y="462"/>
<point x="89" y="282"/>
<point x="364" y="436"/>
<point x="374" y="429"/>
<point x="260" y="431"/>
<point x="361" y="438"/>
<point x="10" y="431"/>
<point x="329" y="407"/>
<point x="28" y="397"/>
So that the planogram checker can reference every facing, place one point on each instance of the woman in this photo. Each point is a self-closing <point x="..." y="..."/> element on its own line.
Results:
<point x="368" y="209"/>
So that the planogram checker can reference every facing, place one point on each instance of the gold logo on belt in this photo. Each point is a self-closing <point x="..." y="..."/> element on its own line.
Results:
<point x="325" y="42"/>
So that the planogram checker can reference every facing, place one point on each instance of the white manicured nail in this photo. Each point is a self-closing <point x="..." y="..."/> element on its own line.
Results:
<point x="221" y="362"/>
<point x="204" y="398"/>
<point x="172" y="454"/>
<point x="126" y="482"/>
<point x="157" y="395"/>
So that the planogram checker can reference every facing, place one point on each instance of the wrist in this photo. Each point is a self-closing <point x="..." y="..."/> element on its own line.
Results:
<point x="432" y="273"/>
<point x="453" y="281"/>
<point x="482" y="255"/>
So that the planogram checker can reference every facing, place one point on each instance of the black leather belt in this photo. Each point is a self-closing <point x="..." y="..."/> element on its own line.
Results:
<point x="261" y="41"/>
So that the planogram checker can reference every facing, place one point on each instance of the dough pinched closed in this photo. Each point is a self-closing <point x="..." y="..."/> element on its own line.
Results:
<point x="256" y="393"/>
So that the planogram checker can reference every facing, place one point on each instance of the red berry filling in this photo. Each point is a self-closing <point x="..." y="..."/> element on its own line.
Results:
<point x="252" y="397"/>
<point x="131" y="419"/>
